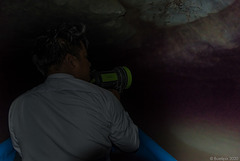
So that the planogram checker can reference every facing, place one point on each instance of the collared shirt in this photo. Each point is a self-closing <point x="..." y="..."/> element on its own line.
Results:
<point x="67" y="119"/>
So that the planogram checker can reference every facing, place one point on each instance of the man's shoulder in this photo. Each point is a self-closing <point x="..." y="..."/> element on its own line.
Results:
<point x="84" y="86"/>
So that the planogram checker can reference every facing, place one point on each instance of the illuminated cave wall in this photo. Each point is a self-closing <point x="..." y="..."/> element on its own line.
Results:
<point x="183" y="54"/>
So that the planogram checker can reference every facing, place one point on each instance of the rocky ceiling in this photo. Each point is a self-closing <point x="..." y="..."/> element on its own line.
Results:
<point x="188" y="37"/>
<point x="197" y="40"/>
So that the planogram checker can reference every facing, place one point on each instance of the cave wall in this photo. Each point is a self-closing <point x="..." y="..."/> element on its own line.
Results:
<point x="184" y="57"/>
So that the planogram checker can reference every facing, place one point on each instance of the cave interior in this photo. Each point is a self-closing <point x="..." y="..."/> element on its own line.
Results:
<point x="183" y="55"/>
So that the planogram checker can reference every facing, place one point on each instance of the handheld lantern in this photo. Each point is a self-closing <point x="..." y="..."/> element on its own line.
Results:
<point x="119" y="78"/>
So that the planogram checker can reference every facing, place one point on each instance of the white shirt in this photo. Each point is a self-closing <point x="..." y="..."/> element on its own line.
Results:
<point x="68" y="119"/>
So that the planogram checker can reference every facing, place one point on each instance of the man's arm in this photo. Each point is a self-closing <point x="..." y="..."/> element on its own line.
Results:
<point x="11" y="123"/>
<point x="124" y="133"/>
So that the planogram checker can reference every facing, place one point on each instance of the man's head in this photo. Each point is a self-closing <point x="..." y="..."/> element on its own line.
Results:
<point x="63" y="50"/>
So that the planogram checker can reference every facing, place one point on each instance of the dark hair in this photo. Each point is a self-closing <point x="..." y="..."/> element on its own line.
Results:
<point x="51" y="48"/>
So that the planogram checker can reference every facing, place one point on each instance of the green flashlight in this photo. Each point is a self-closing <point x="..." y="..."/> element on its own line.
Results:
<point x="119" y="78"/>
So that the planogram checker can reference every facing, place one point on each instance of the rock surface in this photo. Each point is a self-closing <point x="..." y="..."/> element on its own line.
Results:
<point x="180" y="33"/>
<point x="183" y="54"/>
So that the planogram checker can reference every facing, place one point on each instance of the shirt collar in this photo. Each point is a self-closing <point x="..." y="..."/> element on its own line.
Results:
<point x="60" y="75"/>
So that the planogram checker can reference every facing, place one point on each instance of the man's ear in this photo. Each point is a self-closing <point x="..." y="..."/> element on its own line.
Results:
<point x="70" y="60"/>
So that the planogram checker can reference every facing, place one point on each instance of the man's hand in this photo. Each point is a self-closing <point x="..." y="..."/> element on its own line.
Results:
<point x="115" y="92"/>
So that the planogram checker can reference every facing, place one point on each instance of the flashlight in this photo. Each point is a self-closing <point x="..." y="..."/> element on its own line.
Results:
<point x="119" y="78"/>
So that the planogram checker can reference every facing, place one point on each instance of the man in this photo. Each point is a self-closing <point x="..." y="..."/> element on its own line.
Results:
<point x="67" y="118"/>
